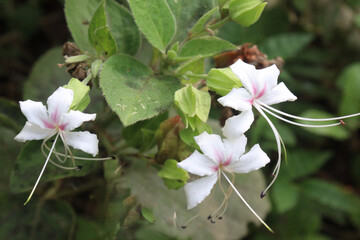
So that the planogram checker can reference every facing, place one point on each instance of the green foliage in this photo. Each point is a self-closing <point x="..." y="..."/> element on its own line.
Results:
<point x="133" y="91"/>
<point x="81" y="97"/>
<point x="99" y="33"/>
<point x="204" y="47"/>
<point x="200" y="25"/>
<point x="187" y="14"/>
<point x="246" y="12"/>
<point x="45" y="76"/>
<point x="155" y="20"/>
<point x="193" y="104"/>
<point x="286" y="45"/>
<point x="173" y="177"/>
<point x="78" y="19"/>
<point x="222" y="80"/>
<point x="349" y="82"/>
<point x="141" y="135"/>
<point x="30" y="162"/>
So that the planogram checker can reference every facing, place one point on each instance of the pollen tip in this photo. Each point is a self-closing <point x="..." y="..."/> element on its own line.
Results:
<point x="273" y="175"/>
<point x="342" y="122"/>
<point x="262" y="195"/>
<point x="183" y="227"/>
<point x="78" y="168"/>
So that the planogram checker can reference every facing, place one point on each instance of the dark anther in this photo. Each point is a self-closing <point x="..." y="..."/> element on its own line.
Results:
<point x="212" y="221"/>
<point x="52" y="140"/>
<point x="113" y="157"/>
<point x="183" y="227"/>
<point x="209" y="217"/>
<point x="78" y="168"/>
<point x="219" y="218"/>
<point x="273" y="175"/>
<point x="342" y="122"/>
<point x="262" y="195"/>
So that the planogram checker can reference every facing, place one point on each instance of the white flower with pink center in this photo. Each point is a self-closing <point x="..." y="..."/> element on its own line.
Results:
<point x="260" y="90"/>
<point x="219" y="156"/>
<point x="57" y="121"/>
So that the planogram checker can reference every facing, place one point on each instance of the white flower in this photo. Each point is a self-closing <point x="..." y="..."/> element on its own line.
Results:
<point x="57" y="120"/>
<point x="260" y="90"/>
<point x="219" y="156"/>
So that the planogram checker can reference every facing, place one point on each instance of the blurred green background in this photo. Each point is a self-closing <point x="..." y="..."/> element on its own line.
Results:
<point x="316" y="196"/>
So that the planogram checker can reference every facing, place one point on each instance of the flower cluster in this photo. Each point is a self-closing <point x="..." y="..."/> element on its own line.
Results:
<point x="260" y="89"/>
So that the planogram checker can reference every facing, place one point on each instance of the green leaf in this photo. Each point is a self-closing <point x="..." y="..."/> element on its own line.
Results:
<point x="222" y="80"/>
<point x="141" y="134"/>
<point x="204" y="47"/>
<point x="349" y="82"/>
<point x="78" y="18"/>
<point x="165" y="202"/>
<point x="194" y="66"/>
<point x="30" y="162"/>
<point x="155" y="20"/>
<point x="285" y="45"/>
<point x="328" y="194"/>
<point x="81" y="97"/>
<point x="46" y="220"/>
<point x="174" y="177"/>
<point x="188" y="134"/>
<point x="285" y="195"/>
<point x="187" y="13"/>
<point x="122" y="27"/>
<point x="302" y="163"/>
<point x="133" y="92"/>
<point x="99" y="33"/>
<point x="148" y="215"/>
<point x="246" y="12"/>
<point x="45" y="76"/>
<point x="337" y="132"/>
<point x="200" y="24"/>
<point x="193" y="105"/>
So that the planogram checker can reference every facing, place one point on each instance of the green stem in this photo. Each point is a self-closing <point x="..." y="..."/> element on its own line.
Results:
<point x="219" y="24"/>
<point x="193" y="75"/>
<point x="87" y="79"/>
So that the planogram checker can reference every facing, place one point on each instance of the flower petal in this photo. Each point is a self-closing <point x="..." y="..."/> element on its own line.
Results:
<point x="84" y="141"/>
<point x="199" y="189"/>
<point x="278" y="94"/>
<point x="234" y="149"/>
<point x="33" y="132"/>
<point x="59" y="103"/>
<point x="247" y="74"/>
<point x="256" y="158"/>
<point x="35" y="112"/>
<point x="212" y="146"/>
<point x="74" y="119"/>
<point x="269" y="76"/>
<point x="239" y="99"/>
<point x="198" y="164"/>
<point x="237" y="125"/>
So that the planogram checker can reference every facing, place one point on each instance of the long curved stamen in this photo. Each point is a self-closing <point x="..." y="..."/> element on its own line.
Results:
<point x="237" y="192"/>
<point x="56" y="154"/>
<point x="278" y="143"/>
<point x="299" y="124"/>
<point x="308" y="119"/>
<point x="223" y="204"/>
<point x="80" y="158"/>
<point x="42" y="171"/>
<point x="67" y="147"/>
